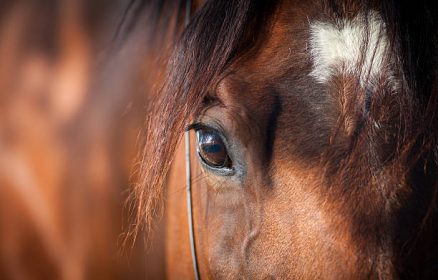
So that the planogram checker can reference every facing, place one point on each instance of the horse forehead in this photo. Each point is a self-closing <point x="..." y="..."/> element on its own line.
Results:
<point x="355" y="46"/>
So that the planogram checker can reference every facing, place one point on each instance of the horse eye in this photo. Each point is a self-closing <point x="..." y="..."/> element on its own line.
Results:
<point x="212" y="149"/>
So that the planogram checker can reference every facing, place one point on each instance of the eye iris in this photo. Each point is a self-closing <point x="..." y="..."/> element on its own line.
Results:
<point x="212" y="149"/>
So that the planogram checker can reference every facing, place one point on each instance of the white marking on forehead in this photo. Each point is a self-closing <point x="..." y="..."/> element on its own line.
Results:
<point x="341" y="47"/>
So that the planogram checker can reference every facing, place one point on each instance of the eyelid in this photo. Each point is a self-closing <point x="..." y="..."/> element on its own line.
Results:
<point x="198" y="126"/>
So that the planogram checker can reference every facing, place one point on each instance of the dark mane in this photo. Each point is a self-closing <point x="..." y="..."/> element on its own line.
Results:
<point x="222" y="31"/>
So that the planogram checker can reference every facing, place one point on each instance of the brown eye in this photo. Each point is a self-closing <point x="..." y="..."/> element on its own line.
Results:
<point x="212" y="149"/>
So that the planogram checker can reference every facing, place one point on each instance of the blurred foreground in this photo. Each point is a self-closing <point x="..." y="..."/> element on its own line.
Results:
<point x="70" y="114"/>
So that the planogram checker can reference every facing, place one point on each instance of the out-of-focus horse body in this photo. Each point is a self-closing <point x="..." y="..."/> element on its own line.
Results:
<point x="70" y="111"/>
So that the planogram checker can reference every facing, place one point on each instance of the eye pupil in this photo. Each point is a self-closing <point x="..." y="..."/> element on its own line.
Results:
<point x="212" y="149"/>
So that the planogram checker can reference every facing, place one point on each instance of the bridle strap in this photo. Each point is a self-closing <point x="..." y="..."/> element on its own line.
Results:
<point x="189" y="206"/>
<point x="189" y="177"/>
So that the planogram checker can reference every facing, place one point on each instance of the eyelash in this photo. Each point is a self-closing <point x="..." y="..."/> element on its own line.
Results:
<point x="197" y="126"/>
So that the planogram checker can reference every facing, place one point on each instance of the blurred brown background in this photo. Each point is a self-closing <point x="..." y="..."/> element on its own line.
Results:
<point x="71" y="109"/>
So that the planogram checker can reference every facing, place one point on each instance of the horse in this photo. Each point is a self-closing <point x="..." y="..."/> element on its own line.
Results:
<point x="311" y="134"/>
